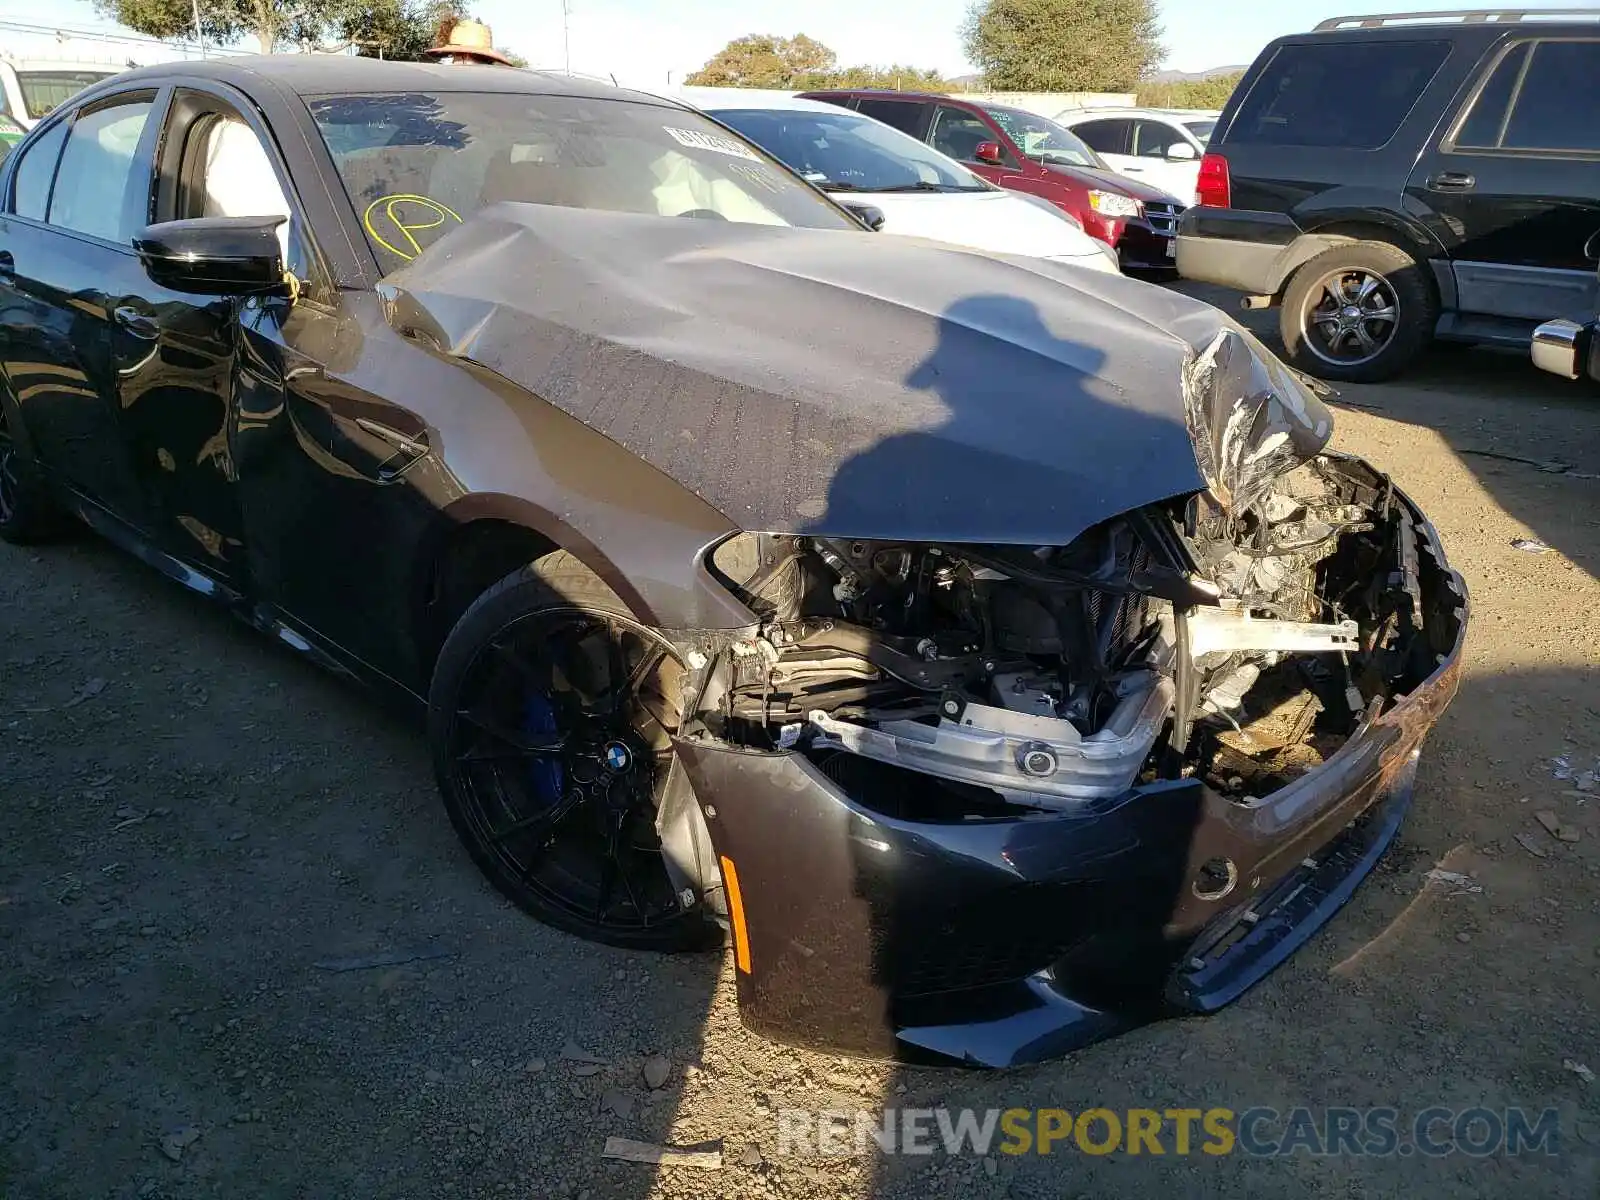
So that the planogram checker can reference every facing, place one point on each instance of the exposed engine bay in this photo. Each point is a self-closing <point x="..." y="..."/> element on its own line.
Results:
<point x="1181" y="639"/>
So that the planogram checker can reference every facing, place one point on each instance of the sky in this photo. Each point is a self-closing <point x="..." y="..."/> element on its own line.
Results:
<point x="654" y="43"/>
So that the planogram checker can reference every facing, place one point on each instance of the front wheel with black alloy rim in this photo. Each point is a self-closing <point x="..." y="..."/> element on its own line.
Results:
<point x="550" y="718"/>
<point x="27" y="514"/>
<point x="1358" y="313"/>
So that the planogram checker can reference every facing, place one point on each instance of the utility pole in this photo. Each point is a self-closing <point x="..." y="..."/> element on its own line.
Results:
<point x="199" y="33"/>
<point x="566" y="33"/>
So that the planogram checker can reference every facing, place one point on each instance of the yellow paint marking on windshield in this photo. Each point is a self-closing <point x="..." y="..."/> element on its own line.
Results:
<point x="389" y="210"/>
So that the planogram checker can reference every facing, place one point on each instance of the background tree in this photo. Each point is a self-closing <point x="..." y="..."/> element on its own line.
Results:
<point x="1212" y="92"/>
<point x="396" y="29"/>
<point x="894" y="78"/>
<point x="762" y="60"/>
<point x="219" y="20"/>
<point x="271" y="21"/>
<point x="1063" y="45"/>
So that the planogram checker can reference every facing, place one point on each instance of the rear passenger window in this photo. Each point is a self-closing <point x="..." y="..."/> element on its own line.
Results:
<point x="92" y="193"/>
<point x="1350" y="95"/>
<point x="903" y="115"/>
<point x="1484" y="123"/>
<point x="1105" y="137"/>
<point x="35" y="170"/>
<point x="1558" y="104"/>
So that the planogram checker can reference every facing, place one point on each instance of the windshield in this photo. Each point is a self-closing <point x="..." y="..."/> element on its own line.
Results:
<point x="42" y="91"/>
<point x="1201" y="130"/>
<point x="415" y="165"/>
<point x="843" y="152"/>
<point x="1042" y="138"/>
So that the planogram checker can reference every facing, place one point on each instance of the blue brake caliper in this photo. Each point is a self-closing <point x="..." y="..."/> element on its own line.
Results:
<point x="543" y="773"/>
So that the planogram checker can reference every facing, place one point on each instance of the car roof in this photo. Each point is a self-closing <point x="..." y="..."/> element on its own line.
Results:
<point x="886" y="94"/>
<point x="1440" y="28"/>
<point x="324" y="74"/>
<point x="748" y="103"/>
<point x="1562" y="20"/>
<point x="1176" y="114"/>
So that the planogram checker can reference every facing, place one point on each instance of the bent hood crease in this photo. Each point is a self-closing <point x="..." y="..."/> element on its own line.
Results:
<point x="813" y="381"/>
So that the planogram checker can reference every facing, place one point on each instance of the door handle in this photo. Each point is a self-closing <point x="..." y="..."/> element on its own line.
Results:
<point x="410" y="449"/>
<point x="405" y="443"/>
<point x="1452" y="181"/>
<point x="140" y="324"/>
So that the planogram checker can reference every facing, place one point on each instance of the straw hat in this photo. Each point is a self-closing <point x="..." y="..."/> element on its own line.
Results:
<point x="472" y="40"/>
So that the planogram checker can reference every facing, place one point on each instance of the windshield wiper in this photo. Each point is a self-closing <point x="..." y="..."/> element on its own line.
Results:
<point x="921" y="185"/>
<point x="831" y="186"/>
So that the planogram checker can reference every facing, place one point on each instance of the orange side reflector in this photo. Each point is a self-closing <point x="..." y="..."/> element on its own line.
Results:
<point x="741" y="938"/>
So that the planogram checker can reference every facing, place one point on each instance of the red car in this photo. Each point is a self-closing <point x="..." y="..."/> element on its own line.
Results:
<point x="1025" y="152"/>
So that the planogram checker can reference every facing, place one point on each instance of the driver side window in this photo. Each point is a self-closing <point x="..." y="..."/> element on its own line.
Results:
<point x="227" y="172"/>
<point x="958" y="133"/>
<point x="237" y="179"/>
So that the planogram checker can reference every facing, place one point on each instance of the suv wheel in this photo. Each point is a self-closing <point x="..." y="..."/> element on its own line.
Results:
<point x="1359" y="313"/>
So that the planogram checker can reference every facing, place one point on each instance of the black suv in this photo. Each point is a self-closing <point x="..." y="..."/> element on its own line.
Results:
<point x="1391" y="179"/>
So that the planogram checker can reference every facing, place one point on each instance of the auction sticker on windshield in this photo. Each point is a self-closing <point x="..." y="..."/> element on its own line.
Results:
<point x="696" y="140"/>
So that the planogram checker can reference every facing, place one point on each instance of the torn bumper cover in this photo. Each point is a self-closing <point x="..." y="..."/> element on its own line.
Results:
<point x="1011" y="939"/>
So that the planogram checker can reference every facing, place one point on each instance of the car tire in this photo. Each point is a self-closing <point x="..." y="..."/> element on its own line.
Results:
<point x="27" y="513"/>
<point x="1332" y="316"/>
<point x="504" y="808"/>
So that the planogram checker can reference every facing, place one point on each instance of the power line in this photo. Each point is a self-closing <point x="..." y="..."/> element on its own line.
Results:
<point x="99" y="35"/>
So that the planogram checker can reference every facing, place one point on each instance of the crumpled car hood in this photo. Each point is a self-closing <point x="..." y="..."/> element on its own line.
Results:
<point x="850" y="384"/>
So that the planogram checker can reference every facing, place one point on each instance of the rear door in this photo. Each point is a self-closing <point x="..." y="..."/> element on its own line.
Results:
<point x="69" y="282"/>
<point x="1512" y="185"/>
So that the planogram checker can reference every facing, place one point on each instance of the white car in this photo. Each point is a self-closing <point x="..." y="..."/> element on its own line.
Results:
<point x="30" y="89"/>
<point x="1158" y="146"/>
<point x="920" y="192"/>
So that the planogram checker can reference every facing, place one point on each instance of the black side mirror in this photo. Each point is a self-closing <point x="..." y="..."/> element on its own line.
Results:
<point x="214" y="256"/>
<point x="870" y="214"/>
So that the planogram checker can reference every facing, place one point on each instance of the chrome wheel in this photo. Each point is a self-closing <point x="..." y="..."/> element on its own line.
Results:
<point x="1350" y="317"/>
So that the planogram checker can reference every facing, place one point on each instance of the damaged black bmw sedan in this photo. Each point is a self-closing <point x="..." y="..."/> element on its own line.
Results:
<point x="993" y="649"/>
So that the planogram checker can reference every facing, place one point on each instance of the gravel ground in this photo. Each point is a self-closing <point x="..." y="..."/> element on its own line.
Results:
<point x="204" y="832"/>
